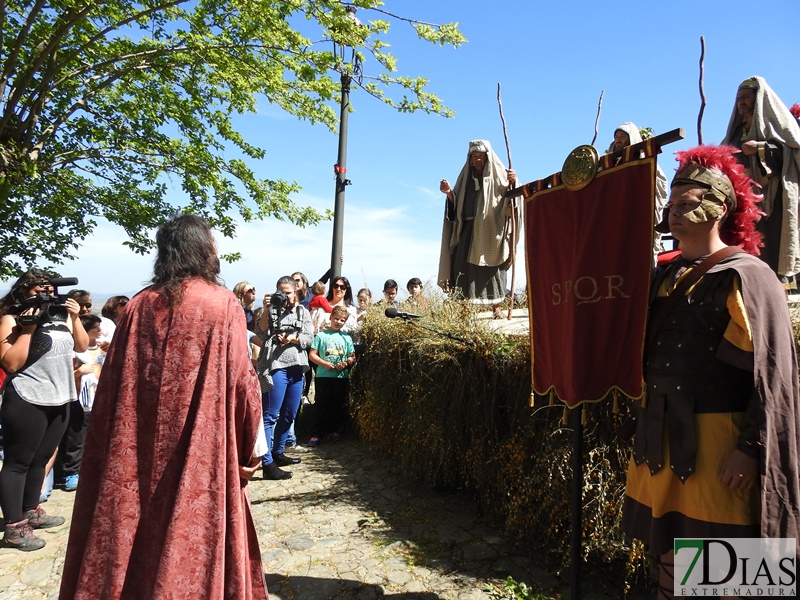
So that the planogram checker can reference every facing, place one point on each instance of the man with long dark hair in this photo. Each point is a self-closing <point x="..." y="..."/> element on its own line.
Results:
<point x="162" y="509"/>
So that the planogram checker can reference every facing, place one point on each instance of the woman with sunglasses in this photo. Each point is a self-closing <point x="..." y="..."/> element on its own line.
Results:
<point x="245" y="293"/>
<point x="339" y="294"/>
<point x="107" y="325"/>
<point x="113" y="307"/>
<point x="304" y="295"/>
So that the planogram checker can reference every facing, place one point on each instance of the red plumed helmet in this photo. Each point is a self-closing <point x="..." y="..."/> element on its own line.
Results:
<point x="739" y="228"/>
<point x="795" y="110"/>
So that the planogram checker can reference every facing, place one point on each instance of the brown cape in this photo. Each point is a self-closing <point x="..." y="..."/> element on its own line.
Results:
<point x="160" y="510"/>
<point x="774" y="407"/>
<point x="776" y="387"/>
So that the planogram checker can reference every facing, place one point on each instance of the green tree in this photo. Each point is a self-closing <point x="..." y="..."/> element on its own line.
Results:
<point x="105" y="99"/>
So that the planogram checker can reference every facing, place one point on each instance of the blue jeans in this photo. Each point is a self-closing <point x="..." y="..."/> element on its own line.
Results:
<point x="279" y="406"/>
<point x="291" y="438"/>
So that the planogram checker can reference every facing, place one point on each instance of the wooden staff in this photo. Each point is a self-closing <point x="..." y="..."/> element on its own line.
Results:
<point x="702" y="92"/>
<point x="597" y="118"/>
<point x="513" y="211"/>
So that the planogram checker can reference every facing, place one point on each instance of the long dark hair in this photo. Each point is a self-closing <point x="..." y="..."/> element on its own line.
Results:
<point x="185" y="249"/>
<point x="109" y="310"/>
<point x="348" y="293"/>
<point x="305" y="291"/>
<point x="28" y="280"/>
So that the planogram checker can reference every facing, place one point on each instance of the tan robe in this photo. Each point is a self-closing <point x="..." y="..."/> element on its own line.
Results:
<point x="772" y="122"/>
<point x="491" y="242"/>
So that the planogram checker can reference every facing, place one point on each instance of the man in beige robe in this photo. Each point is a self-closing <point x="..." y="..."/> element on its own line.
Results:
<point x="768" y="136"/>
<point x="477" y="238"/>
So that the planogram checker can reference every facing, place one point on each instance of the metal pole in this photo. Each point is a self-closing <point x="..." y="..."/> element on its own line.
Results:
<point x="341" y="182"/>
<point x="576" y="522"/>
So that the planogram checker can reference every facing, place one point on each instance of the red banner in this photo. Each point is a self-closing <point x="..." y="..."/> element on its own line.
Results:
<point x="589" y="256"/>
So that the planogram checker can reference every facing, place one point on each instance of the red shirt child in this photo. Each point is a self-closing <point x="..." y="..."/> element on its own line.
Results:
<point x="319" y="300"/>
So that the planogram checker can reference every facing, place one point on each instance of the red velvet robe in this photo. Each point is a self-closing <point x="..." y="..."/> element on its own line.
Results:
<point x="160" y="511"/>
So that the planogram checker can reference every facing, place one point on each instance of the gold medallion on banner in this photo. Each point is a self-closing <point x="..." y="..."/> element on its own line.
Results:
<point x="580" y="168"/>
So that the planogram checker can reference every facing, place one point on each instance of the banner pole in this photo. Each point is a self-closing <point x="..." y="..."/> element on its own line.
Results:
<point x="576" y="499"/>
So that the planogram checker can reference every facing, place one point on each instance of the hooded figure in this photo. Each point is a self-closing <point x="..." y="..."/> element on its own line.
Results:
<point x="476" y="234"/>
<point x="634" y="137"/>
<point x="775" y="167"/>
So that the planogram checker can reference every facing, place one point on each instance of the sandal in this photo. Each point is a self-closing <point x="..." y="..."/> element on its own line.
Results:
<point x="314" y="441"/>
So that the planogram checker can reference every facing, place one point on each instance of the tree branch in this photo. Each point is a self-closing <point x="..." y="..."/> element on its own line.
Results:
<point x="134" y="17"/>
<point x="53" y="127"/>
<point x="23" y="80"/>
<point x="399" y="18"/>
<point x="64" y="159"/>
<point x="46" y="85"/>
<point x="12" y="57"/>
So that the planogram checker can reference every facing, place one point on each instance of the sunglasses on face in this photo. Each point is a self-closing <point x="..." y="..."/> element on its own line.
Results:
<point x="339" y="286"/>
<point x="250" y="291"/>
<point x="122" y="303"/>
<point x="85" y="304"/>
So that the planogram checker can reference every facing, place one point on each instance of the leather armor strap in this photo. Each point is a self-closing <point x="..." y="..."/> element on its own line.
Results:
<point x="683" y="286"/>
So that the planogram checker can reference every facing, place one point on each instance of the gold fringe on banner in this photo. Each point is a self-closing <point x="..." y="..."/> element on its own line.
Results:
<point x="583" y="415"/>
<point x="552" y="397"/>
<point x="615" y="403"/>
<point x="565" y="417"/>
<point x="533" y="398"/>
<point x="644" y="398"/>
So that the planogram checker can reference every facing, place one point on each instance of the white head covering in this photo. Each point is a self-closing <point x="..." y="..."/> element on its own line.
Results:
<point x="773" y="122"/>
<point x="491" y="237"/>
<point x="633" y="133"/>
<point x="662" y="188"/>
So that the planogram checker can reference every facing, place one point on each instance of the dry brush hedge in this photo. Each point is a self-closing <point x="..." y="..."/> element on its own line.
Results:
<point x="449" y="401"/>
<point x="452" y="408"/>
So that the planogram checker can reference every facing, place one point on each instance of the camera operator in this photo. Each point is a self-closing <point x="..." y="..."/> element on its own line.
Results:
<point x="285" y="326"/>
<point x="36" y="349"/>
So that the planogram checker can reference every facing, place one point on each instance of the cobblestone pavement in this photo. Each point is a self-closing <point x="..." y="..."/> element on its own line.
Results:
<point x="345" y="526"/>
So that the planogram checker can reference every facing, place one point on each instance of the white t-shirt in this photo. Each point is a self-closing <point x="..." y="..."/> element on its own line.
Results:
<point x="107" y="329"/>
<point x="88" y="382"/>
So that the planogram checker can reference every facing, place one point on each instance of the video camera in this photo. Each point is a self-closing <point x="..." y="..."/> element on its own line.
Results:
<point x="54" y="309"/>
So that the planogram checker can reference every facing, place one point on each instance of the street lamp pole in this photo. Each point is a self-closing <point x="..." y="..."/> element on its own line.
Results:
<point x="341" y="162"/>
<point x="341" y="181"/>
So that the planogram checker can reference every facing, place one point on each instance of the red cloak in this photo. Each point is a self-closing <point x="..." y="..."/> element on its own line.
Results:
<point x="160" y="511"/>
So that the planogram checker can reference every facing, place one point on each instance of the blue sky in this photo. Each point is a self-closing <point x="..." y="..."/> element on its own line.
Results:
<point x="552" y="59"/>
